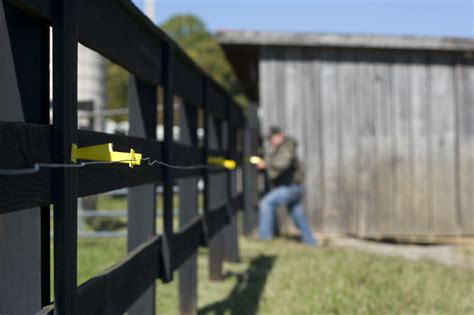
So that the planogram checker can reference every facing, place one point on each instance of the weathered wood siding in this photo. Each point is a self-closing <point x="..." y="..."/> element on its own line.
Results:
<point x="386" y="136"/>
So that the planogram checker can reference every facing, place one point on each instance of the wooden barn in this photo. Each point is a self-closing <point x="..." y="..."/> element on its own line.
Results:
<point x="385" y="126"/>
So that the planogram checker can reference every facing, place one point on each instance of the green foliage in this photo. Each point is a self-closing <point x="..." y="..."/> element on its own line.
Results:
<point x="117" y="88"/>
<point x="192" y="36"/>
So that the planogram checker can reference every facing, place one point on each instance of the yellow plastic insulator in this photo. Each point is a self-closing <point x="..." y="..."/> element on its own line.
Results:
<point x="255" y="159"/>
<point x="230" y="164"/>
<point x="220" y="161"/>
<point x="105" y="153"/>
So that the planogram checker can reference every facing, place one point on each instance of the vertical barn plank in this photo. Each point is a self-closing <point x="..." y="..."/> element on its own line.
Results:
<point x="24" y="267"/>
<point x="330" y="139"/>
<point x="64" y="134"/>
<point x="267" y="88"/>
<point x="465" y="111"/>
<point x="346" y="87"/>
<point x="302" y="134"/>
<point x="142" y="100"/>
<point x="371" y="113"/>
<point x="277" y="106"/>
<point x="292" y="114"/>
<point x="402" y="211"/>
<point x="305" y="103"/>
<point x="187" y="210"/>
<point x="420" y="128"/>
<point x="366" y="144"/>
<point x="443" y="144"/>
<point x="342" y="217"/>
<point x="384" y="156"/>
<point x="313" y="160"/>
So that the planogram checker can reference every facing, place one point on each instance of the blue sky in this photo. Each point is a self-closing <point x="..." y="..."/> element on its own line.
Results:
<point x="401" y="17"/>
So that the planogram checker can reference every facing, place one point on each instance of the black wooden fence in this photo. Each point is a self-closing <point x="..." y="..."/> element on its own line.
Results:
<point x="119" y="31"/>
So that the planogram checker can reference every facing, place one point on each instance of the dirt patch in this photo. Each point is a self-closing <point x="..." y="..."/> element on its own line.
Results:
<point x="449" y="255"/>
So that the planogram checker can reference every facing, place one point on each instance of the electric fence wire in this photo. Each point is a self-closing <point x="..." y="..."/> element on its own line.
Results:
<point x="181" y="167"/>
<point x="151" y="162"/>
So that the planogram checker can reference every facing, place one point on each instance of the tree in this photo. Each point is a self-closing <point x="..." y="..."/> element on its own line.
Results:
<point x="117" y="88"/>
<point x="191" y="35"/>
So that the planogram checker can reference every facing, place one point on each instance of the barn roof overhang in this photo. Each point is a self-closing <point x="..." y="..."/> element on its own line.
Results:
<point x="242" y="48"/>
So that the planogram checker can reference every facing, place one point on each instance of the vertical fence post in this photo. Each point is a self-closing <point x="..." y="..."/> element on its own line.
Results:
<point x="231" y="252"/>
<point x="168" y="96"/>
<point x="64" y="134"/>
<point x="24" y="236"/>
<point x="250" y="173"/>
<point x="216" y="194"/>
<point x="142" y="100"/>
<point x="205" y="116"/>
<point x="187" y="210"/>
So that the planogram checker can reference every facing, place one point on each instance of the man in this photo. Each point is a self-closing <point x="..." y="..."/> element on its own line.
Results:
<point x="284" y="172"/>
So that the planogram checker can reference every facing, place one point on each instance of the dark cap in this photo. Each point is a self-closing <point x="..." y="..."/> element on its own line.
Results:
<point x="274" y="130"/>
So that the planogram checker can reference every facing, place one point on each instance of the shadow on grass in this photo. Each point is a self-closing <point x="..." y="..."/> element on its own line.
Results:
<point x="246" y="294"/>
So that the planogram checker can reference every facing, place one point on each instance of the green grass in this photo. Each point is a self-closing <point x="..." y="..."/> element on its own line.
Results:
<point x="108" y="202"/>
<point x="284" y="277"/>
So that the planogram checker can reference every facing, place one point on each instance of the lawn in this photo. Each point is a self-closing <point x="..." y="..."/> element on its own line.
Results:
<point x="284" y="277"/>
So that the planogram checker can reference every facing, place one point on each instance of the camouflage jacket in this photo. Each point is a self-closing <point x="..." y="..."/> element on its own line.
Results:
<point x="283" y="166"/>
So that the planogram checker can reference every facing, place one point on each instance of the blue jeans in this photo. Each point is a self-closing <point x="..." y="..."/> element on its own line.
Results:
<point x="291" y="196"/>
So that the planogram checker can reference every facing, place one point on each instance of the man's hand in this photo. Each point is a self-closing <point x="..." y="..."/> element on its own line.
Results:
<point x="261" y="165"/>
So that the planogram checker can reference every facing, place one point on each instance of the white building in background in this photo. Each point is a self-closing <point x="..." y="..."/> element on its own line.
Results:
<point x="91" y="86"/>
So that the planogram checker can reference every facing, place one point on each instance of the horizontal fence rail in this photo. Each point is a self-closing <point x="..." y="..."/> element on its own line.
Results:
<point x="120" y="32"/>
